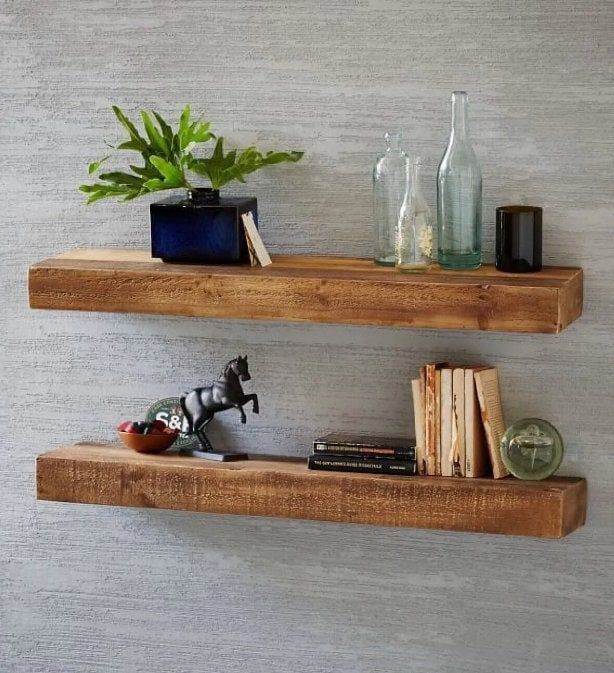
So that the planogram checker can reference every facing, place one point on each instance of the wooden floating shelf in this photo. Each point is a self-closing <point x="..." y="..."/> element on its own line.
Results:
<point x="341" y="290"/>
<point x="278" y="487"/>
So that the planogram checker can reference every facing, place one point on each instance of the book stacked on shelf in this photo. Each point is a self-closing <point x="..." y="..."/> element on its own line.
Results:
<point x="459" y="421"/>
<point x="356" y="453"/>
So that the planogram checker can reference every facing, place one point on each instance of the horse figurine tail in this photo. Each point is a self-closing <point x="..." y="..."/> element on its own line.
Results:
<point x="186" y="414"/>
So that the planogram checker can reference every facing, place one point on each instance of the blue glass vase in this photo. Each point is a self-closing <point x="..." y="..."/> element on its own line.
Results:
<point x="202" y="228"/>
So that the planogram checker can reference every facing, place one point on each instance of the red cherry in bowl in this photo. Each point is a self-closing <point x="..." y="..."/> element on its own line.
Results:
<point x="160" y="426"/>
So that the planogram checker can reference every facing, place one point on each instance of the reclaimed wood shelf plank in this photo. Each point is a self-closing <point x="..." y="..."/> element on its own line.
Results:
<point x="340" y="290"/>
<point x="284" y="487"/>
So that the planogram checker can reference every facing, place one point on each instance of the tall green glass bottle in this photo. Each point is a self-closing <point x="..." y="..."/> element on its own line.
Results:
<point x="459" y="196"/>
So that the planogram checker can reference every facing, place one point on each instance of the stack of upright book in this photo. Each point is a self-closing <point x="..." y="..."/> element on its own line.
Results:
<point x="459" y="421"/>
<point x="356" y="453"/>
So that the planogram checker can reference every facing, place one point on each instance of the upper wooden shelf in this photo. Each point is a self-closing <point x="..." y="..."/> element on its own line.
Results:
<point x="314" y="289"/>
<point x="278" y="487"/>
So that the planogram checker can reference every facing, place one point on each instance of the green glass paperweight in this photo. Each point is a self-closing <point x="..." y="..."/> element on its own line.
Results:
<point x="532" y="449"/>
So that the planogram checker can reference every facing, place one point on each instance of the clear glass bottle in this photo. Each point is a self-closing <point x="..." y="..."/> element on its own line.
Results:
<point x="459" y="196"/>
<point x="415" y="230"/>
<point x="389" y="184"/>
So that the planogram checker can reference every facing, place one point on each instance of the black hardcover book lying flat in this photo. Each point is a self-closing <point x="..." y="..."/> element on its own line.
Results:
<point x="372" y="465"/>
<point x="343" y="444"/>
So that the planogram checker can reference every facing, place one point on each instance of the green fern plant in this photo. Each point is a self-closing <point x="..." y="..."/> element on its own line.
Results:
<point x="168" y="159"/>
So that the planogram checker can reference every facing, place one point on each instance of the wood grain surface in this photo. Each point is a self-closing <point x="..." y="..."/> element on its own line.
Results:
<point x="278" y="487"/>
<point x="309" y="288"/>
<point x="90" y="589"/>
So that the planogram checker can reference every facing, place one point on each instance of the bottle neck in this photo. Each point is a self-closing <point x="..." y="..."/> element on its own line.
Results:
<point x="394" y="141"/>
<point x="460" y="125"/>
<point x="416" y="177"/>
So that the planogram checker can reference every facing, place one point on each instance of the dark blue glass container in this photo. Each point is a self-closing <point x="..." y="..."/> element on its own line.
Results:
<point x="201" y="228"/>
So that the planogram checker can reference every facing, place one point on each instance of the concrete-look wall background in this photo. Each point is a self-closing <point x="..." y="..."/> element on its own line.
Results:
<point x="109" y="590"/>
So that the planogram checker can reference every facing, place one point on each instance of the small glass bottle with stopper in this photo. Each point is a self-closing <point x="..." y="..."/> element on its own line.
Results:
<point x="414" y="248"/>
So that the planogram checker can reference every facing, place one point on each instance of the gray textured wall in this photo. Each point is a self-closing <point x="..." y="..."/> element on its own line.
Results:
<point x="92" y="589"/>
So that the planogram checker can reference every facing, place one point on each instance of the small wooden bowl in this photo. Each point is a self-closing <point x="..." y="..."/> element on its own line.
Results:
<point x="147" y="443"/>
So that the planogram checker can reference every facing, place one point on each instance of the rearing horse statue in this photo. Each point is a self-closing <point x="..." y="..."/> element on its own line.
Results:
<point x="201" y="404"/>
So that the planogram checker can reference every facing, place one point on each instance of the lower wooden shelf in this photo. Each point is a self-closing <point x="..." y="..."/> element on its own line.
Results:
<point x="284" y="487"/>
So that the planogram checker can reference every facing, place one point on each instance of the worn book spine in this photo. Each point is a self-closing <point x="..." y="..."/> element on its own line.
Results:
<point x="406" y="452"/>
<point x="458" y="419"/>
<point x="438" y="422"/>
<point x="417" y="391"/>
<point x="491" y="410"/>
<point x="446" y="422"/>
<point x="476" y="456"/>
<point x="430" y="392"/>
<point x="422" y="463"/>
<point x="324" y="461"/>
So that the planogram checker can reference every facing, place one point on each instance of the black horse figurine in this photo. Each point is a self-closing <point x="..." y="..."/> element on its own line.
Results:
<point x="201" y="404"/>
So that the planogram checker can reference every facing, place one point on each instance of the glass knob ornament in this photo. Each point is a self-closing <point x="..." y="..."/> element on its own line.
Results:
<point x="532" y="448"/>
